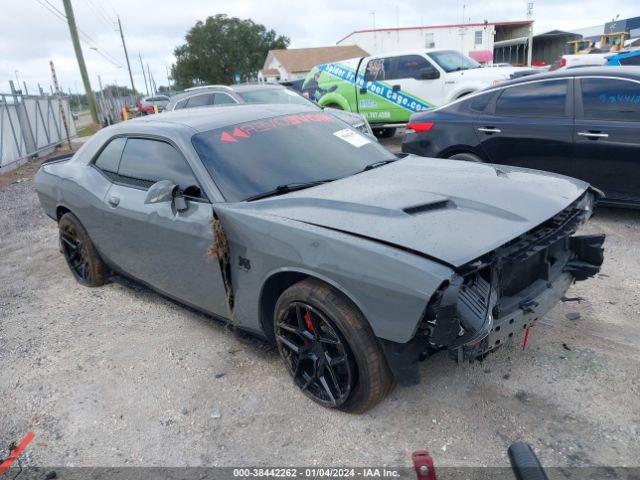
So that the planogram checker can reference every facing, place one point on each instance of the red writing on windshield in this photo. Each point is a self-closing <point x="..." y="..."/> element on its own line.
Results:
<point x="259" y="126"/>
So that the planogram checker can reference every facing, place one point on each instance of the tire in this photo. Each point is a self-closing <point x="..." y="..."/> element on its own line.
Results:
<point x="525" y="463"/>
<point x="316" y="310"/>
<point x="387" y="132"/>
<point x="467" y="157"/>
<point x="80" y="254"/>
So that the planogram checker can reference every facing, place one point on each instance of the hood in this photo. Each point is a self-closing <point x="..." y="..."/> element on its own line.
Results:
<point x="453" y="211"/>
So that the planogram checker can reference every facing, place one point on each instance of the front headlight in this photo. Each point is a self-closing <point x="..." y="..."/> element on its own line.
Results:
<point x="364" y="127"/>
<point x="586" y="204"/>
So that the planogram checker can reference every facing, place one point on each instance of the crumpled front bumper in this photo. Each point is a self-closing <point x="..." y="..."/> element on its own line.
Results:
<point x="587" y="258"/>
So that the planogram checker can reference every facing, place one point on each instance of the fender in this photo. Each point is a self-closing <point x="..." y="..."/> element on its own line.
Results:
<point x="335" y="99"/>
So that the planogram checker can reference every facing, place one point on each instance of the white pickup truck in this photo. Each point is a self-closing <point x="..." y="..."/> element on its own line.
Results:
<point x="389" y="87"/>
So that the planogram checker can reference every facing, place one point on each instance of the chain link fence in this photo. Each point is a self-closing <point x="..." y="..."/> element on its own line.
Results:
<point x="31" y="125"/>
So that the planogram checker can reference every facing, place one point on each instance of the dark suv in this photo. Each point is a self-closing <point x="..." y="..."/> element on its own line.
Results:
<point x="584" y="123"/>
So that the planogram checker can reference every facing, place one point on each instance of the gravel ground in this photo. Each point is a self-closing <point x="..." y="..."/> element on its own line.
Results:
<point x="119" y="375"/>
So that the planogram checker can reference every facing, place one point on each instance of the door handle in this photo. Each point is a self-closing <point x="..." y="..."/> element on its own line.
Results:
<point x="594" y="134"/>
<point x="489" y="130"/>
<point x="113" y="201"/>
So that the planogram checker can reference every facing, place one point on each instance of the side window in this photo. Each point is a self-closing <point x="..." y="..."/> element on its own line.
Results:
<point x="478" y="37"/>
<point x="109" y="158"/>
<point x="223" y="98"/>
<point x="181" y="104"/>
<point x="378" y="69"/>
<point x="429" y="40"/>
<point x="200" y="100"/>
<point x="538" y="99"/>
<point x="409" y="66"/>
<point x="144" y="162"/>
<point x="632" y="60"/>
<point x="610" y="99"/>
<point x="480" y="102"/>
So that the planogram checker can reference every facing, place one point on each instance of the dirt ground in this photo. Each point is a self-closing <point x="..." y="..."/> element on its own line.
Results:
<point x="118" y="375"/>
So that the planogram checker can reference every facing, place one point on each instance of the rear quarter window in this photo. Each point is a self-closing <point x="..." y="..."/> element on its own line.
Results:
<point x="109" y="159"/>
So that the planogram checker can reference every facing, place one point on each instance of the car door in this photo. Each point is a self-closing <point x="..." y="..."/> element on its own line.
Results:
<point x="530" y="125"/>
<point x="420" y="83"/>
<point x="607" y="135"/>
<point x="373" y="94"/>
<point x="155" y="243"/>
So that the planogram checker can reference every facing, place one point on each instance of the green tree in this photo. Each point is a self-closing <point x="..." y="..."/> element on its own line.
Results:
<point x="221" y="46"/>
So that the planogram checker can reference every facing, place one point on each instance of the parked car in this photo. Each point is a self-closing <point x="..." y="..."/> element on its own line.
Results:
<point x="355" y="263"/>
<point x="295" y="85"/>
<point x="159" y="101"/>
<point x="389" y="87"/>
<point x="582" y="122"/>
<point x="631" y="57"/>
<point x="217" y="95"/>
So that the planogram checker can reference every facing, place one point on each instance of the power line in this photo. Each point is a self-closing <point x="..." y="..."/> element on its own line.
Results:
<point x="90" y="41"/>
<point x="100" y="13"/>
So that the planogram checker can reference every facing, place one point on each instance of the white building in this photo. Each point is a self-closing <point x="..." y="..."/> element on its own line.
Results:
<point x="473" y="39"/>
<point x="295" y="63"/>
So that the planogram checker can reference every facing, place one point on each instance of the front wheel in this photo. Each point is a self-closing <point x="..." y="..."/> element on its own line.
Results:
<point x="329" y="348"/>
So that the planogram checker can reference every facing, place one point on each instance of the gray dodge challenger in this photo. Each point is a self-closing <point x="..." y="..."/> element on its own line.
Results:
<point x="284" y="221"/>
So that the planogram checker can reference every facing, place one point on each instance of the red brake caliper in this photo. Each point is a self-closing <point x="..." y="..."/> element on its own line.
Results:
<point x="307" y="321"/>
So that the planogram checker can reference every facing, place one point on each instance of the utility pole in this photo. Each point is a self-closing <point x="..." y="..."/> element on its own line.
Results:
<point x="530" y="47"/>
<point x="168" y="78"/>
<point x="144" y="75"/>
<point x="59" y="96"/>
<point x="150" y="81"/>
<point x="124" y="45"/>
<point x="73" y="30"/>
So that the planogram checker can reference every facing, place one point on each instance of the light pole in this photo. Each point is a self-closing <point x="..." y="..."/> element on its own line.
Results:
<point x="17" y="79"/>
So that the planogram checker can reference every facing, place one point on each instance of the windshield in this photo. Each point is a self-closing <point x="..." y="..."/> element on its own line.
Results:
<point x="274" y="95"/>
<point x="255" y="157"/>
<point x="452" y="61"/>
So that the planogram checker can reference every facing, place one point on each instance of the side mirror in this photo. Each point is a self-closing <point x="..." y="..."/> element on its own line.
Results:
<point x="166" y="191"/>
<point x="159" y="192"/>
<point x="428" y="74"/>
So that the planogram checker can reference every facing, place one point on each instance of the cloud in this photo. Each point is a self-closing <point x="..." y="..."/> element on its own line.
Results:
<point x="31" y="35"/>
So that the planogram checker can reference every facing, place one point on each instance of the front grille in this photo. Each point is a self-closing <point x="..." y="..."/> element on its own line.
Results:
<point x="476" y="296"/>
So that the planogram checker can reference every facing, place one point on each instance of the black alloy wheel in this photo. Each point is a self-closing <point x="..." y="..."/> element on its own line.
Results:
<point x="316" y="354"/>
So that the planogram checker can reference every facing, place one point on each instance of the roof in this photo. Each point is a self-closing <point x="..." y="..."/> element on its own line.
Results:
<point x="269" y="71"/>
<point x="454" y="25"/>
<point x="204" y="119"/>
<point x="298" y="60"/>
<point x="629" y="71"/>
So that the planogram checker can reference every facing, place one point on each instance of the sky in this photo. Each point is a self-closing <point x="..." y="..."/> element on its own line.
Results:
<point x="32" y="35"/>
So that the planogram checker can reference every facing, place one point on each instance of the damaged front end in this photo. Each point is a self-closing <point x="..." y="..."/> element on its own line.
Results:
<point x="488" y="301"/>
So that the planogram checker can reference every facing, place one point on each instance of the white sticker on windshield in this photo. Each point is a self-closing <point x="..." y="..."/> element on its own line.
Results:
<point x="352" y="137"/>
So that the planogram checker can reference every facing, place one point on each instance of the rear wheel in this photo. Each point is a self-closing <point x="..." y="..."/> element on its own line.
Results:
<point x="329" y="348"/>
<point x="81" y="256"/>
<point x="467" y="157"/>
<point x="387" y="132"/>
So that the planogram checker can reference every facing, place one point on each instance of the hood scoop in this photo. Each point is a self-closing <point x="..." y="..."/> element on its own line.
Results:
<point x="429" y="207"/>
